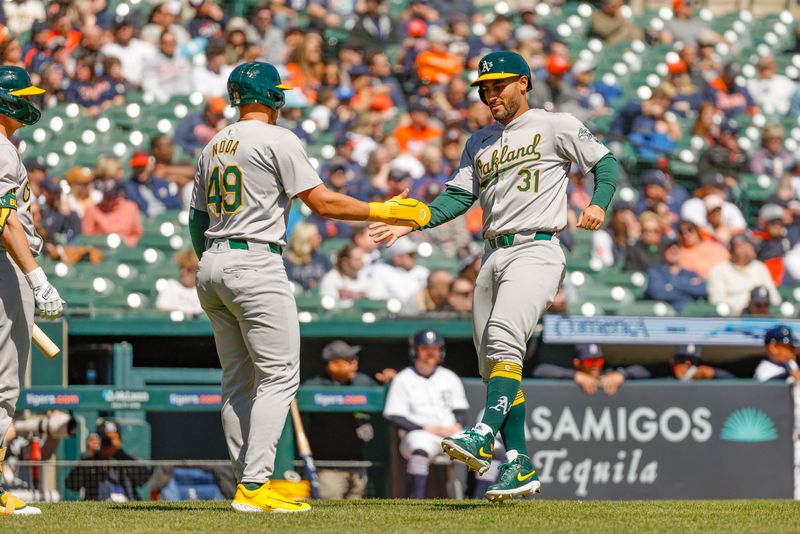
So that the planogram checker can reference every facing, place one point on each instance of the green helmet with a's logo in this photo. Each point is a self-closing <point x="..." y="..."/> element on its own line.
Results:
<point x="15" y="83"/>
<point x="499" y="65"/>
<point x="256" y="82"/>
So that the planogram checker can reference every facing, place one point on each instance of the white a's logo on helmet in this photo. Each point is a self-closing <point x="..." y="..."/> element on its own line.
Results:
<point x="486" y="66"/>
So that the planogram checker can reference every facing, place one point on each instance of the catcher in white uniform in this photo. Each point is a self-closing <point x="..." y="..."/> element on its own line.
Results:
<point x="427" y="402"/>
<point x="517" y="169"/>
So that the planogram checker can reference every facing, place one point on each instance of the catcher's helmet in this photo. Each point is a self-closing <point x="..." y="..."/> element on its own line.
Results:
<point x="499" y="65"/>
<point x="256" y="82"/>
<point x="425" y="337"/>
<point x="15" y="83"/>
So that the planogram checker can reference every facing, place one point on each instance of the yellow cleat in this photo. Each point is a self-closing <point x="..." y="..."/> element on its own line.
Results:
<point x="11" y="505"/>
<point x="265" y="499"/>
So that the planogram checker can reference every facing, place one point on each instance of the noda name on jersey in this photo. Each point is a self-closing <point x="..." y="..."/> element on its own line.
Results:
<point x="226" y="146"/>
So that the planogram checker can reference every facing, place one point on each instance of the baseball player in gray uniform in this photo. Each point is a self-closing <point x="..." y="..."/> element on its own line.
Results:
<point x="517" y="169"/>
<point x="23" y="284"/>
<point x="246" y="178"/>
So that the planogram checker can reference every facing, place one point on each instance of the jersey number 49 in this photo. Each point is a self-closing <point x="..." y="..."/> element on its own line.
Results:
<point x="224" y="193"/>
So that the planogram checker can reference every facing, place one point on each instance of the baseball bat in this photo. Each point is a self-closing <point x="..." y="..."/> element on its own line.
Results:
<point x="44" y="343"/>
<point x="304" y="448"/>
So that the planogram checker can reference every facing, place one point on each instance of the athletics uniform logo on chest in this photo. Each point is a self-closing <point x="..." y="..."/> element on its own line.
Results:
<point x="508" y="166"/>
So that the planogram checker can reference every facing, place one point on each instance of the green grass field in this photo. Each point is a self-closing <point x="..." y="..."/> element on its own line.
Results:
<point x="389" y="516"/>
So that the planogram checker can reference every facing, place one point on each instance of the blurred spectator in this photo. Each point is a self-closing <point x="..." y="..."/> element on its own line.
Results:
<point x="433" y="297"/>
<point x="305" y="66"/>
<point x="437" y="65"/>
<point x="268" y="36"/>
<point x="195" y="131"/>
<point x="657" y="189"/>
<point x="22" y="15"/>
<point x="684" y="27"/>
<point x="611" y="26"/>
<point x="112" y="69"/>
<point x="688" y="95"/>
<point x="347" y="282"/>
<point x="759" y="303"/>
<point x="82" y="193"/>
<point x="772" y="159"/>
<point x="731" y="282"/>
<point x="163" y="20"/>
<point x="772" y="92"/>
<point x="698" y="209"/>
<point x="707" y="123"/>
<point x="132" y="52"/>
<point x="610" y="245"/>
<point x="727" y="95"/>
<point x="180" y="295"/>
<point x="698" y="254"/>
<point x="589" y="371"/>
<point x="498" y="34"/>
<point x="167" y="73"/>
<point x="781" y="360"/>
<point x="211" y="78"/>
<point x="11" y="53"/>
<point x="459" y="298"/>
<point x="59" y="221"/>
<point x="417" y="131"/>
<point x="153" y="195"/>
<point x="645" y="253"/>
<point x="208" y="21"/>
<point x="95" y="93"/>
<point x="107" y="482"/>
<point x="671" y="283"/>
<point x="646" y="125"/>
<point x="37" y="172"/>
<point x="162" y="150"/>
<point x="114" y="214"/>
<point x="725" y="157"/>
<point x="775" y="240"/>
<point x="593" y="98"/>
<point x="687" y="367"/>
<point x="340" y="436"/>
<point x="36" y="53"/>
<point x="304" y="263"/>
<point x="554" y="93"/>
<point x="403" y="278"/>
<point x="426" y="402"/>
<point x="362" y="240"/>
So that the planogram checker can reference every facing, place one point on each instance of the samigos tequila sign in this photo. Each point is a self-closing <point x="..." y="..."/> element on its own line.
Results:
<point x="659" y="440"/>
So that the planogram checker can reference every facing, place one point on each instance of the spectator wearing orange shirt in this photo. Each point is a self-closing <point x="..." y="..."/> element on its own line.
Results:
<point x="412" y="137"/>
<point x="62" y="28"/>
<point x="698" y="254"/>
<point x="114" y="214"/>
<point x="438" y="65"/>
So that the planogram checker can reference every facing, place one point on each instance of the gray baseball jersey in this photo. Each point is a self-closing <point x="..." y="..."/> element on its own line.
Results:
<point x="519" y="171"/>
<point x="14" y="179"/>
<point x="16" y="297"/>
<point x="246" y="178"/>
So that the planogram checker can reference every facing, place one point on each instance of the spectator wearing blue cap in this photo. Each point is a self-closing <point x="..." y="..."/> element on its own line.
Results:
<point x="759" y="303"/>
<point x="725" y="156"/>
<point x="781" y="360"/>
<point x="589" y="371"/>
<point x="59" y="222"/>
<point x="646" y="125"/>
<point x="669" y="282"/>
<point x="687" y="366"/>
<point x="657" y="188"/>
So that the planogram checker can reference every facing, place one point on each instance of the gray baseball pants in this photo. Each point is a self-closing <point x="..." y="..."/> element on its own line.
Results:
<point x="515" y="286"/>
<point x="16" y="324"/>
<point x="248" y="299"/>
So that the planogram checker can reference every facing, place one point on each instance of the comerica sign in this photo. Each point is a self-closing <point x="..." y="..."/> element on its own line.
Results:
<point x="659" y="440"/>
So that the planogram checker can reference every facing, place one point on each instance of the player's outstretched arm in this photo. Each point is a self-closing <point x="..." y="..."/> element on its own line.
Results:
<point x="398" y="210"/>
<point x="47" y="299"/>
<point x="448" y="205"/>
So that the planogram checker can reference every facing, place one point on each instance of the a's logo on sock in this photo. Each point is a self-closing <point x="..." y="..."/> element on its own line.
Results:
<point x="502" y="405"/>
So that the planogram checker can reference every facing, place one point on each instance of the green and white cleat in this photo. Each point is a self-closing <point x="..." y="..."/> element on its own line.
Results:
<point x="472" y="448"/>
<point x="516" y="478"/>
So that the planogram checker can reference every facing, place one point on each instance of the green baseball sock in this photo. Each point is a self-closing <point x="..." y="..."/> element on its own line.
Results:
<point x="502" y="388"/>
<point x="513" y="428"/>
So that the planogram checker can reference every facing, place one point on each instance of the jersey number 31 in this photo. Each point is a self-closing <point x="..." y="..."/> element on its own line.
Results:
<point x="224" y="194"/>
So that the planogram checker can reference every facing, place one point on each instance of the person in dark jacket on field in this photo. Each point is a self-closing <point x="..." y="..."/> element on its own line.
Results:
<point x="687" y="366"/>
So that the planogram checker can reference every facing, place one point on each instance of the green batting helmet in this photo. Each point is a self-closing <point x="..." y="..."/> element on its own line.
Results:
<point x="256" y="82"/>
<point x="15" y="83"/>
<point x="499" y="65"/>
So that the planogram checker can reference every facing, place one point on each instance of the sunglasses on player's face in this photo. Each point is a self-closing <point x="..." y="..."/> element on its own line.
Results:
<point x="593" y="362"/>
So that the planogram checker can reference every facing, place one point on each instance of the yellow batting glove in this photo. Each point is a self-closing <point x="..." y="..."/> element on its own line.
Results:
<point x="401" y="212"/>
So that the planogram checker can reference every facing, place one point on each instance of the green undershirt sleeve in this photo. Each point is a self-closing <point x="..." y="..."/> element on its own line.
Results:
<point x="198" y="224"/>
<point x="606" y="174"/>
<point x="448" y="205"/>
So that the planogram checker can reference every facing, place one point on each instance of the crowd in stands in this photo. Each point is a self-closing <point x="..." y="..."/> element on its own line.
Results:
<point x="385" y="90"/>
